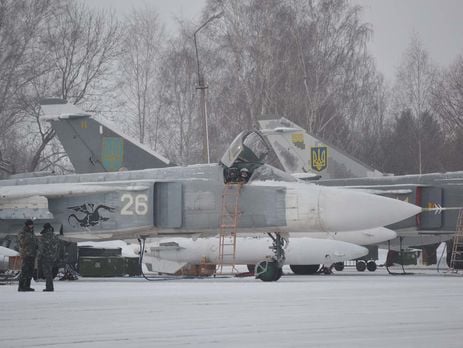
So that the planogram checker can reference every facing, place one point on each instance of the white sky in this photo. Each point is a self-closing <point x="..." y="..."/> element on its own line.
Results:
<point x="167" y="9"/>
<point x="438" y="24"/>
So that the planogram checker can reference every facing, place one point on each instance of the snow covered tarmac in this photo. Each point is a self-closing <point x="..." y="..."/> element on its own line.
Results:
<point x="347" y="309"/>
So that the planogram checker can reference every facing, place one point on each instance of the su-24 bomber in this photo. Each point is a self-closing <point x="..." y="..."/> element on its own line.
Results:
<point x="189" y="201"/>
<point x="308" y="157"/>
<point x="95" y="146"/>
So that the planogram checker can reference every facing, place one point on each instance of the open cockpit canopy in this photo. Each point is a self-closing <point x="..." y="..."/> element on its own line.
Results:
<point x="246" y="158"/>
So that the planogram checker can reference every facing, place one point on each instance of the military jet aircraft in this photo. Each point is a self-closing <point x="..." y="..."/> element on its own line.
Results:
<point x="96" y="146"/>
<point x="86" y="141"/>
<point x="306" y="156"/>
<point x="190" y="201"/>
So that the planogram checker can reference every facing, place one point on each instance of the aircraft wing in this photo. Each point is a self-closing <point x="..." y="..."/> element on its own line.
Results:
<point x="26" y="201"/>
<point x="375" y="190"/>
<point x="62" y="190"/>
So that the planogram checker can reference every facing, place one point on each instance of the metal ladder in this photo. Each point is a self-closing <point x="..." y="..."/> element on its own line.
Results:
<point x="456" y="259"/>
<point x="228" y="225"/>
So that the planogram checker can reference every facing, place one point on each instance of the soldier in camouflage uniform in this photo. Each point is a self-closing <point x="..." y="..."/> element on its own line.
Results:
<point x="48" y="252"/>
<point x="28" y="250"/>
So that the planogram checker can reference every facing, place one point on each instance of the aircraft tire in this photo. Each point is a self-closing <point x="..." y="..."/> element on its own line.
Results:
<point x="304" y="269"/>
<point x="339" y="266"/>
<point x="371" y="265"/>
<point x="361" y="265"/>
<point x="251" y="268"/>
<point x="268" y="271"/>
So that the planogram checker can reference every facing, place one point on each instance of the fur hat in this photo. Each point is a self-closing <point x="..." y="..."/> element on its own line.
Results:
<point x="46" y="227"/>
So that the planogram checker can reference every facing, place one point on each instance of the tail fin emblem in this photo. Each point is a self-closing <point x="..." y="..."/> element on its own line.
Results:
<point x="298" y="140"/>
<point x="319" y="156"/>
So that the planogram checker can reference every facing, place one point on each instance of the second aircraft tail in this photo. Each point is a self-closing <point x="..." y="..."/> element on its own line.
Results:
<point x="94" y="146"/>
<point x="301" y="153"/>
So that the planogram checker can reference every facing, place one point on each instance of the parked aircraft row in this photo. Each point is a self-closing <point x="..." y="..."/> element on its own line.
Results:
<point x="186" y="201"/>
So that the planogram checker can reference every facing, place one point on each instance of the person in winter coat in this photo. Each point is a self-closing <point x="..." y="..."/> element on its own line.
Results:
<point x="48" y="253"/>
<point x="28" y="251"/>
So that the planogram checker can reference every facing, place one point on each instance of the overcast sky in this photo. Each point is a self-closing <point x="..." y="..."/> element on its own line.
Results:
<point x="438" y="24"/>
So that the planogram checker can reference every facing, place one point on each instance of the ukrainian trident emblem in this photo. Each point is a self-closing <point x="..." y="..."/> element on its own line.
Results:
<point x="319" y="156"/>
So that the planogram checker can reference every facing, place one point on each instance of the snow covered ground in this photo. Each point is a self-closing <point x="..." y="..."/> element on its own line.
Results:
<point x="347" y="309"/>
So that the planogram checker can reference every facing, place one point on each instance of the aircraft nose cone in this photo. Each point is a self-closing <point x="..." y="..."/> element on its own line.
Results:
<point x="348" y="210"/>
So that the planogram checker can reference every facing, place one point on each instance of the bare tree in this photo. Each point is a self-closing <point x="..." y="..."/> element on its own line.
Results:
<point x="414" y="79"/>
<point x="331" y="45"/>
<point x="365" y="138"/>
<point x="140" y="65"/>
<point x="48" y="48"/>
<point x="413" y="87"/>
<point x="447" y="103"/>
<point x="158" y="86"/>
<point x="83" y="45"/>
<point x="244" y="61"/>
<point x="180" y="124"/>
<point x="80" y="46"/>
<point x="22" y="25"/>
<point x="305" y="60"/>
<point x="20" y="22"/>
<point x="448" y="96"/>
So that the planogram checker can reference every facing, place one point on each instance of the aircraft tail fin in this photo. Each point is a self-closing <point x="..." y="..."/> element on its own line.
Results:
<point x="95" y="146"/>
<point x="304" y="155"/>
<point x="55" y="109"/>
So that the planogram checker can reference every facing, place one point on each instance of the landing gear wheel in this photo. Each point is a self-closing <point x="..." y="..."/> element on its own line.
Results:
<point x="271" y="270"/>
<point x="304" y="269"/>
<point x="251" y="268"/>
<point x="361" y="265"/>
<point x="371" y="265"/>
<point x="339" y="266"/>
<point x="268" y="271"/>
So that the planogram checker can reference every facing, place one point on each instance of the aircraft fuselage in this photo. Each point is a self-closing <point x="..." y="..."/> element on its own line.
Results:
<point x="186" y="201"/>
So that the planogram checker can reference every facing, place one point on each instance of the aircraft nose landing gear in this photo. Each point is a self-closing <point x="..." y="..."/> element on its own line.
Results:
<point x="268" y="271"/>
<point x="272" y="269"/>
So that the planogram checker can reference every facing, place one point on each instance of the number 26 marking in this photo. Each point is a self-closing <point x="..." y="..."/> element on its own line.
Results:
<point x="134" y="204"/>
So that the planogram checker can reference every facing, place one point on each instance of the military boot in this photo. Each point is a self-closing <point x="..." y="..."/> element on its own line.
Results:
<point x="49" y="285"/>
<point x="24" y="285"/>
<point x="21" y="284"/>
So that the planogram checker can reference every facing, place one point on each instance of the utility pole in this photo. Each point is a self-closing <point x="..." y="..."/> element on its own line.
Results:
<point x="203" y="87"/>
